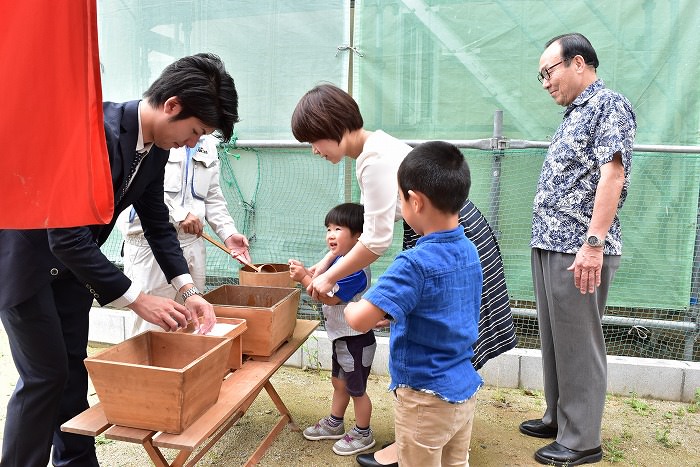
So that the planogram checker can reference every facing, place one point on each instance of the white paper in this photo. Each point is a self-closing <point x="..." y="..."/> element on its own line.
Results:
<point x="221" y="329"/>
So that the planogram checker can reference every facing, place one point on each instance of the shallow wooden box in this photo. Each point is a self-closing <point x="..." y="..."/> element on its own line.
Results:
<point x="247" y="276"/>
<point x="159" y="381"/>
<point x="235" y="334"/>
<point x="270" y="314"/>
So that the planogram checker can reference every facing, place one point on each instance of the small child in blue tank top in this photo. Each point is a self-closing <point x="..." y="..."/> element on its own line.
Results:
<point x="353" y="351"/>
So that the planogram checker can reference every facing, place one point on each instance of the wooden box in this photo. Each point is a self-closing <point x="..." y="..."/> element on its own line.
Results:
<point x="270" y="314"/>
<point x="232" y="328"/>
<point x="280" y="278"/>
<point x="159" y="381"/>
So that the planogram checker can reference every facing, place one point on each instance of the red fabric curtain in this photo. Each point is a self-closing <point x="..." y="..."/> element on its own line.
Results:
<point x="54" y="169"/>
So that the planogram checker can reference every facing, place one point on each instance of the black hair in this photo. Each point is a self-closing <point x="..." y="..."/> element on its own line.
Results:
<point x="573" y="44"/>
<point x="204" y="89"/>
<point x="439" y="171"/>
<point x="325" y="112"/>
<point x="350" y="215"/>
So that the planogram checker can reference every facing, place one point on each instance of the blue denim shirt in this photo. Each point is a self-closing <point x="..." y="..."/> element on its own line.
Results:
<point x="597" y="124"/>
<point x="432" y="293"/>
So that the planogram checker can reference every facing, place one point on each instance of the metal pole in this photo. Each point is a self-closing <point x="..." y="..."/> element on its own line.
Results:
<point x="683" y="326"/>
<point x="495" y="193"/>
<point x="693" y="313"/>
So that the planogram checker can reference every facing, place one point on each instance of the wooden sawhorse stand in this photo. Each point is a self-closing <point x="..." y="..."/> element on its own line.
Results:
<point x="238" y="392"/>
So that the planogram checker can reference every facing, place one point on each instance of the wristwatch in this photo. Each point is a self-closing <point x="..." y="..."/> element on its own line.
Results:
<point x="594" y="241"/>
<point x="189" y="292"/>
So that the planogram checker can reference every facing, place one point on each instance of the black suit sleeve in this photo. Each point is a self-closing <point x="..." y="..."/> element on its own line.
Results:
<point x="77" y="250"/>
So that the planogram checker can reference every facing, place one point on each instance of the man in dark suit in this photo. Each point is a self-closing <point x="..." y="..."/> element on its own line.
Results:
<point x="50" y="277"/>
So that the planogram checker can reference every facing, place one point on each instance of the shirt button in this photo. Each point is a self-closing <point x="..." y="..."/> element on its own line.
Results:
<point x="54" y="272"/>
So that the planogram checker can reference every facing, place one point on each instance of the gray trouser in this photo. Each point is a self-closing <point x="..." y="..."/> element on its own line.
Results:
<point x="573" y="349"/>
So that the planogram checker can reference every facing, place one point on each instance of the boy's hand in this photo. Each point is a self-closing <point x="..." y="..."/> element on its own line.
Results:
<point x="382" y="323"/>
<point x="296" y="270"/>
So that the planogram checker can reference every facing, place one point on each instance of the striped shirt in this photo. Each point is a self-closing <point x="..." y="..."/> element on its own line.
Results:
<point x="496" y="331"/>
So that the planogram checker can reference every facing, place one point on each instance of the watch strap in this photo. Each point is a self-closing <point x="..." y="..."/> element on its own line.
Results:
<point x="594" y="241"/>
<point x="189" y="292"/>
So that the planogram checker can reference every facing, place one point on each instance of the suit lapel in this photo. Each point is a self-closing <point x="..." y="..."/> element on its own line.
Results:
<point x="127" y="144"/>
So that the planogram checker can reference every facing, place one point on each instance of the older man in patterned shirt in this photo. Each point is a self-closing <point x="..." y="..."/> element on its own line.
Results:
<point x="576" y="231"/>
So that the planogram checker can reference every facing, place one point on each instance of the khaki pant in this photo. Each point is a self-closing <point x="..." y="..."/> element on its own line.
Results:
<point x="431" y="432"/>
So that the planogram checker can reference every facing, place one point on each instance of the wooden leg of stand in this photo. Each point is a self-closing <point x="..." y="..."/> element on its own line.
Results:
<point x="280" y="405"/>
<point x="154" y="453"/>
<point x="269" y="439"/>
<point x="229" y="423"/>
<point x="285" y="419"/>
<point x="181" y="458"/>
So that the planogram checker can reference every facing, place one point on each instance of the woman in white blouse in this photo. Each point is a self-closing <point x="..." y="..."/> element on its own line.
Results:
<point x="330" y="119"/>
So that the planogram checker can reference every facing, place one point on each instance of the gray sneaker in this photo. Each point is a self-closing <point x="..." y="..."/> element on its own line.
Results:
<point x="324" y="430"/>
<point x="353" y="442"/>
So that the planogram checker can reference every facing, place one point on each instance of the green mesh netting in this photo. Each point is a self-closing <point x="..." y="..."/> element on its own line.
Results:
<point x="438" y="70"/>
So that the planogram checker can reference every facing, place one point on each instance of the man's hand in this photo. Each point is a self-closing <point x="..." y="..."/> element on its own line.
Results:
<point x="238" y="245"/>
<point x="163" y="312"/>
<point x="197" y="307"/>
<point x="587" y="267"/>
<point x="192" y="225"/>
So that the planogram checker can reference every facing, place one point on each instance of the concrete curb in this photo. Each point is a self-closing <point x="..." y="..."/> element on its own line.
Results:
<point x="518" y="368"/>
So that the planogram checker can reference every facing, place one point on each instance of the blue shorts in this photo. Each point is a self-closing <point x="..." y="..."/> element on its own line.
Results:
<point x="352" y="361"/>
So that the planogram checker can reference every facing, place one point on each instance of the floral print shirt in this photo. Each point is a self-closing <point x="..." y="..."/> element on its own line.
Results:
<point x="598" y="124"/>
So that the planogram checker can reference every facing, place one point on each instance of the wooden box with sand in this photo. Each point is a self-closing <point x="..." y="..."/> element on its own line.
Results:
<point x="160" y="381"/>
<point x="270" y="314"/>
<point x="232" y="328"/>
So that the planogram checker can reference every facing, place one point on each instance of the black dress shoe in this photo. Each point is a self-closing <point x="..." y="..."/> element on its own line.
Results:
<point x="368" y="460"/>
<point x="556" y="454"/>
<point x="538" y="429"/>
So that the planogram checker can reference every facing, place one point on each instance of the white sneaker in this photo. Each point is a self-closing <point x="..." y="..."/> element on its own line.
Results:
<point x="324" y="430"/>
<point x="353" y="442"/>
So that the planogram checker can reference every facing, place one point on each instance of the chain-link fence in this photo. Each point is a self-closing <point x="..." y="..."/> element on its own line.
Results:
<point x="279" y="193"/>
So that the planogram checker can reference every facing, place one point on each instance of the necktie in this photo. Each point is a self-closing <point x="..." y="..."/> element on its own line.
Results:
<point x="132" y="171"/>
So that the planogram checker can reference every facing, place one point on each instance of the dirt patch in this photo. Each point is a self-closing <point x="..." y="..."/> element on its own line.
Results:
<point x="637" y="432"/>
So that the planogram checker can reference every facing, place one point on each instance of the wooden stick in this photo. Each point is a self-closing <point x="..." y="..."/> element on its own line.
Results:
<point x="217" y="243"/>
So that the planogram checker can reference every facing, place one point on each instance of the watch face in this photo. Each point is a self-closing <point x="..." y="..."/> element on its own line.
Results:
<point x="592" y="240"/>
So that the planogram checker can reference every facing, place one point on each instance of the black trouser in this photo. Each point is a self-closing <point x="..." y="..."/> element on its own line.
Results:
<point x="48" y="340"/>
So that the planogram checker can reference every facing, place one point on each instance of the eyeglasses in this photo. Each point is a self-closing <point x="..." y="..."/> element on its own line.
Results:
<point x="546" y="73"/>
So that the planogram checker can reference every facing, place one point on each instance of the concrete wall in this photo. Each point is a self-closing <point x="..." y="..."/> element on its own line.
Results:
<point x="519" y="368"/>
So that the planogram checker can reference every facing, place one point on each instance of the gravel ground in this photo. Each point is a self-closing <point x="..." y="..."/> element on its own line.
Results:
<point x="636" y="431"/>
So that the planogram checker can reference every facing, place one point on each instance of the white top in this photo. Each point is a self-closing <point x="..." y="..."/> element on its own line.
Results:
<point x="376" y="170"/>
<point x="191" y="185"/>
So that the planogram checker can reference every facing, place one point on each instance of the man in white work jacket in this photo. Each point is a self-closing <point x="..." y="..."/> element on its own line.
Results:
<point x="193" y="194"/>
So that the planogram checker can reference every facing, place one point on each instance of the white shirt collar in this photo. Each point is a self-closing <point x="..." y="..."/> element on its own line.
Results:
<point x="140" y="147"/>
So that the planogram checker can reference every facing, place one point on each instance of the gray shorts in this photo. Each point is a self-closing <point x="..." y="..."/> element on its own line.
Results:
<point x="352" y="361"/>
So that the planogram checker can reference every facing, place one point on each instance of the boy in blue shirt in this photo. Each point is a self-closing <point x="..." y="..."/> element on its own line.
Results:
<point x="431" y="293"/>
<point x="353" y="351"/>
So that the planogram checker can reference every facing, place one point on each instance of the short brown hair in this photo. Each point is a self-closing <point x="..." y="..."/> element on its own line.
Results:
<point x="325" y="112"/>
